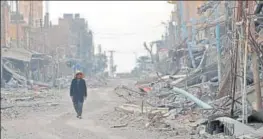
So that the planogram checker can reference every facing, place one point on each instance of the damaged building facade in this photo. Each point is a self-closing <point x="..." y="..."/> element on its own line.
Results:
<point x="81" y="40"/>
<point x="19" y="61"/>
<point x="36" y="50"/>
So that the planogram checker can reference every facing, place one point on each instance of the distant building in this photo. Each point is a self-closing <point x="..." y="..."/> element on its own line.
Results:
<point x="36" y="13"/>
<point x="9" y="26"/>
<point x="81" y="37"/>
<point x="71" y="38"/>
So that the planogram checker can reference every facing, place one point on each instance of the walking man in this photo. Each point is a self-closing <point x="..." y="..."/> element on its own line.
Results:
<point x="78" y="93"/>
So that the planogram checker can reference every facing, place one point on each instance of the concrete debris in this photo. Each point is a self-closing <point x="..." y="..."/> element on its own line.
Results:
<point x="119" y="126"/>
<point x="129" y="94"/>
<point x="19" y="79"/>
<point x="13" y="104"/>
<point x="196" y="108"/>
<point x="233" y="127"/>
<point x="24" y="99"/>
<point x="138" y="109"/>
<point x="96" y="81"/>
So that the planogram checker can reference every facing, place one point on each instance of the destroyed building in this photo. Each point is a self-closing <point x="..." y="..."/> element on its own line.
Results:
<point x="207" y="62"/>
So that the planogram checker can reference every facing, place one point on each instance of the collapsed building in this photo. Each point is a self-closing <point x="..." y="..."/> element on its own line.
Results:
<point x="205" y="68"/>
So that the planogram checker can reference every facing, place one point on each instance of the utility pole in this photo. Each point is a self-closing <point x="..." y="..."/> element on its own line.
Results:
<point x="193" y="43"/>
<point x="234" y="57"/>
<point x="30" y="23"/>
<point x="46" y="26"/>
<point x="245" y="69"/>
<point x="99" y="49"/>
<point x="111" y="63"/>
<point x="218" y="47"/>
<point x="241" y="37"/>
<point x="46" y="18"/>
<point x="17" y="25"/>
<point x="243" y="40"/>
<point x="179" y="20"/>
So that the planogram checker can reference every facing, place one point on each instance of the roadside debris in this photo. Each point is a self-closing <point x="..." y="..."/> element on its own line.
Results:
<point x="164" y="106"/>
<point x="13" y="104"/>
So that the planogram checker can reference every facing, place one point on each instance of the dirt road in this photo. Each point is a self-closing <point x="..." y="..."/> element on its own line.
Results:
<point x="58" y="120"/>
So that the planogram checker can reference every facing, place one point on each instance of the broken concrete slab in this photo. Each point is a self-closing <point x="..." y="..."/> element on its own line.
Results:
<point x="6" y="107"/>
<point x="237" y="128"/>
<point x="24" y="99"/>
<point x="131" y="108"/>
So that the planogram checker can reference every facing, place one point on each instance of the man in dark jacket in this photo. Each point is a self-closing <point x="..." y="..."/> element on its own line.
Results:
<point x="78" y="93"/>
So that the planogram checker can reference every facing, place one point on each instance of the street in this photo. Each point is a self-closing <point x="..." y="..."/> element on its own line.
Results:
<point x="147" y="69"/>
<point x="57" y="120"/>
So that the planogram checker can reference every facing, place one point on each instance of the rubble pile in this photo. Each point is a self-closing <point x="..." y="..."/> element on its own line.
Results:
<point x="131" y="95"/>
<point x="14" y="102"/>
<point x="187" y="101"/>
<point x="169" y="111"/>
<point x="95" y="82"/>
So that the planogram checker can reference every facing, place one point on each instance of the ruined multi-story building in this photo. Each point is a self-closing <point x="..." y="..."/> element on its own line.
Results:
<point x="10" y="25"/>
<point x="70" y="38"/>
<point x="14" y="24"/>
<point x="32" y="11"/>
<point x="80" y="39"/>
<point x="73" y="35"/>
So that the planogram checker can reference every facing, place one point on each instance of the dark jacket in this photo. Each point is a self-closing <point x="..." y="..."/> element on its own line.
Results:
<point x="78" y="90"/>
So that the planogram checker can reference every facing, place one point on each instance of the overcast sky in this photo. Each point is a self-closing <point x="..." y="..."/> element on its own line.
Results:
<point x="122" y="26"/>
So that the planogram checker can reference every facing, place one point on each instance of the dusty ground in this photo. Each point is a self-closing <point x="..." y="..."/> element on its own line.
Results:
<point x="51" y="116"/>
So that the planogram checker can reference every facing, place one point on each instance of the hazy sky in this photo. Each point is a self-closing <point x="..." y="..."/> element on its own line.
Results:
<point x="122" y="26"/>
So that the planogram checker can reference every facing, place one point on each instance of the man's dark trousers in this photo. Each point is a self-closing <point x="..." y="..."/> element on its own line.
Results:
<point x="78" y="105"/>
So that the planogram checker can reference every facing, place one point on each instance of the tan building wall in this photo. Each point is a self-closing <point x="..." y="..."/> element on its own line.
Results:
<point x="5" y="24"/>
<point x="59" y="37"/>
<point x="47" y="40"/>
<point x="37" y="9"/>
<point x="190" y="9"/>
<point x="12" y="31"/>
